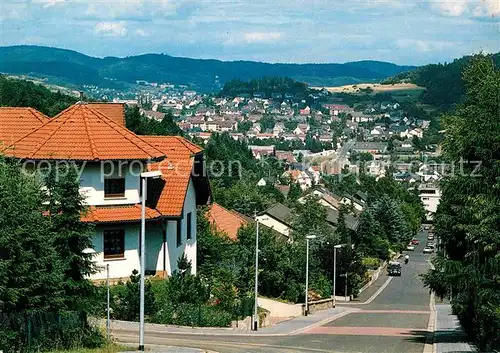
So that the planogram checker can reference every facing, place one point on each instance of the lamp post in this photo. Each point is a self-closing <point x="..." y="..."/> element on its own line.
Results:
<point x="307" y="273"/>
<point x="335" y="270"/>
<point x="255" y="308"/>
<point x="144" y="176"/>
<point x="256" y="289"/>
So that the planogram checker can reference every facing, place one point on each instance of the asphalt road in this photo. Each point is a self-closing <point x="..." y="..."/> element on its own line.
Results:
<point x="395" y="321"/>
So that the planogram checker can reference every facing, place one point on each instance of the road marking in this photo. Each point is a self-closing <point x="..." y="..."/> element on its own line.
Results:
<point x="379" y="291"/>
<point x="362" y="331"/>
<point x="392" y="312"/>
<point x="185" y="342"/>
<point x="323" y="322"/>
<point x="372" y="298"/>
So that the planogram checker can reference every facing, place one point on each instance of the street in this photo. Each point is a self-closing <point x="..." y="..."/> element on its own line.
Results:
<point x="395" y="320"/>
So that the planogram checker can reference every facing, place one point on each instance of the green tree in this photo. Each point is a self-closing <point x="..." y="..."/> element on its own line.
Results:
<point x="467" y="220"/>
<point x="126" y="299"/>
<point x="72" y="236"/>
<point x="294" y="192"/>
<point x="32" y="270"/>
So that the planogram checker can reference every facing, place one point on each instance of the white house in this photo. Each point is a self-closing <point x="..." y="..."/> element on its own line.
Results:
<point x="110" y="160"/>
<point x="278" y="217"/>
<point x="430" y="196"/>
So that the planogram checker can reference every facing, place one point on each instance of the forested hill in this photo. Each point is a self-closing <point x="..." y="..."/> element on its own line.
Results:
<point x="75" y="68"/>
<point x="443" y="82"/>
<point x="267" y="86"/>
<point x="20" y="93"/>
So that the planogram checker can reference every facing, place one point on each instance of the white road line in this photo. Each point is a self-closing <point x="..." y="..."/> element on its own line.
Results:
<point x="379" y="291"/>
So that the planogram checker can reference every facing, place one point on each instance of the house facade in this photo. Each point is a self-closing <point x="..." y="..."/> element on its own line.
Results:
<point x="110" y="159"/>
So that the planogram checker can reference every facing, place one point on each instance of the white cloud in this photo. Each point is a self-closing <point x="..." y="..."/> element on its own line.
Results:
<point x="423" y="46"/>
<point x="261" y="37"/>
<point x="110" y="29"/>
<point x="48" y="3"/>
<point x="478" y="8"/>
<point x="141" y="32"/>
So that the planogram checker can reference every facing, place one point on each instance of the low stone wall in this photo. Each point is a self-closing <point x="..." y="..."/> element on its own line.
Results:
<point x="318" y="305"/>
<point x="280" y="309"/>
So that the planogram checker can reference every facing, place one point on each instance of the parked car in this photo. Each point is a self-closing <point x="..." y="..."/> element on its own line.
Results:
<point x="428" y="250"/>
<point x="430" y="237"/>
<point x="415" y="241"/>
<point x="410" y="247"/>
<point x="427" y="227"/>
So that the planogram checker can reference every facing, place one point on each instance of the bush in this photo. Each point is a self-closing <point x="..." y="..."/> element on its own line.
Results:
<point x="371" y="262"/>
<point x="47" y="331"/>
<point x="187" y="314"/>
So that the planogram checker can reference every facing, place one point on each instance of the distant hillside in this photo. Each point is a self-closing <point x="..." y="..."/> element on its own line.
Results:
<point x="443" y="82"/>
<point x="267" y="86"/>
<point x="78" y="69"/>
<point x="20" y="93"/>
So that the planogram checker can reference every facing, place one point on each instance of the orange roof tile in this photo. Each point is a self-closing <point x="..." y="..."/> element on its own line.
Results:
<point x="225" y="221"/>
<point x="18" y="122"/>
<point x="114" y="111"/>
<point x="83" y="133"/>
<point x="176" y="169"/>
<point x="107" y="214"/>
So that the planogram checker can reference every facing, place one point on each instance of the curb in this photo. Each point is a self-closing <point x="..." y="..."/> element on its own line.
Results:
<point x="166" y="349"/>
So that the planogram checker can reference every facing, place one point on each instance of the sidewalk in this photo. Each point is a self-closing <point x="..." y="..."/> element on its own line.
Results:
<point x="448" y="335"/>
<point x="285" y="328"/>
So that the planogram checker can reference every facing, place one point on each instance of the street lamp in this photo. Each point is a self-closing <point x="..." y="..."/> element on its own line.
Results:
<point x="307" y="273"/>
<point x="338" y="246"/>
<point x="256" y="289"/>
<point x="144" y="176"/>
<point x="335" y="270"/>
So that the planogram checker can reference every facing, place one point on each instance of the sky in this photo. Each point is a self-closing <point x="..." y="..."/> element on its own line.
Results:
<point x="411" y="32"/>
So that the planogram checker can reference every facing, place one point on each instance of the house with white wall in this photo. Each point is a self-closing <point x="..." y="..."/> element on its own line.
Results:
<point x="430" y="196"/>
<point x="110" y="159"/>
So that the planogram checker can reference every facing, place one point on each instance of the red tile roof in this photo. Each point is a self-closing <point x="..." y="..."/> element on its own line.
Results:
<point x="176" y="169"/>
<point x="127" y="213"/>
<point x="83" y="133"/>
<point x="225" y="221"/>
<point x="114" y="111"/>
<point x="18" y="122"/>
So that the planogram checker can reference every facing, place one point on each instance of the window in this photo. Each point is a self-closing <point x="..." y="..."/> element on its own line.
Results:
<point x="188" y="220"/>
<point x="114" y="244"/>
<point x="179" y="232"/>
<point x="425" y="198"/>
<point x="114" y="187"/>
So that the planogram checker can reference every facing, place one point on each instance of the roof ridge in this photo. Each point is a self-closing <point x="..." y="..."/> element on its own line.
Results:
<point x="123" y="131"/>
<point x="95" y="154"/>
<point x="44" y="141"/>
<point x="188" y="144"/>
<point x="33" y="110"/>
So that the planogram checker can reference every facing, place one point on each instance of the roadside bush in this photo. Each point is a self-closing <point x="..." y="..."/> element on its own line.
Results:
<point x="371" y="263"/>
<point x="189" y="314"/>
<point x="47" y="331"/>
<point x="125" y="299"/>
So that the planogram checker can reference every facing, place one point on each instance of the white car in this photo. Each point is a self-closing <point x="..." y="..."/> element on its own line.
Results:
<point x="410" y="248"/>
<point x="428" y="250"/>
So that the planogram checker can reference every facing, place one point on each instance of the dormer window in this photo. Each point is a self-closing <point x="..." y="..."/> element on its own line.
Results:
<point x="114" y="187"/>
